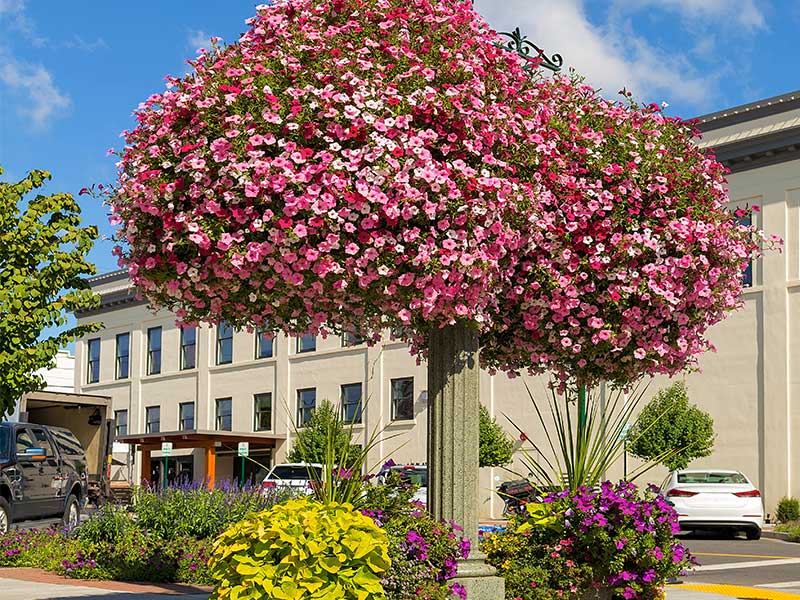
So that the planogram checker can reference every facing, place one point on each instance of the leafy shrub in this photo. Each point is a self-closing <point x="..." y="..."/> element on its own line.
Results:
<point x="615" y="537"/>
<point x="108" y="524"/>
<point x="192" y="510"/>
<point x="495" y="448"/>
<point x="301" y="547"/>
<point x="792" y="528"/>
<point x="423" y="551"/>
<point x="788" y="510"/>
<point x="41" y="548"/>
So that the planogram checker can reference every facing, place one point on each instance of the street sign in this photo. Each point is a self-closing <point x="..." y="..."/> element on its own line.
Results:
<point x="166" y="448"/>
<point x="244" y="448"/>
<point x="623" y="434"/>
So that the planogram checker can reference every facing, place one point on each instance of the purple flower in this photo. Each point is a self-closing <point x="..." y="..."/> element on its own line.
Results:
<point x="464" y="546"/>
<point x="459" y="590"/>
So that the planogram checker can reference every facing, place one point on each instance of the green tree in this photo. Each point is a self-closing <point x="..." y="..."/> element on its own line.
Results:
<point x="495" y="448"/>
<point x="670" y="424"/>
<point x="324" y="435"/>
<point x="42" y="267"/>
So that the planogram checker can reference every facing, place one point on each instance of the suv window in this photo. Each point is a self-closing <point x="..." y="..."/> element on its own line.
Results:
<point x="5" y="441"/>
<point x="295" y="472"/>
<point x="24" y="441"/>
<point x="42" y="441"/>
<point x="67" y="443"/>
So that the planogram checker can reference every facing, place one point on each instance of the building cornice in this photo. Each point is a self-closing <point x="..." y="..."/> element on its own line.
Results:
<point x="750" y="111"/>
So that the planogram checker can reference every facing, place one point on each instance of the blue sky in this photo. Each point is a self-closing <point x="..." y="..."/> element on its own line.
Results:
<point x="72" y="72"/>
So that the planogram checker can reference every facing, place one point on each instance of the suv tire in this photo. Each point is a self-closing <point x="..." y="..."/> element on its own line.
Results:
<point x="72" y="512"/>
<point x="5" y="515"/>
<point x="753" y="534"/>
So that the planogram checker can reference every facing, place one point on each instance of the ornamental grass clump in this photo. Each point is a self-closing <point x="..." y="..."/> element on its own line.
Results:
<point x="615" y="537"/>
<point x="301" y="547"/>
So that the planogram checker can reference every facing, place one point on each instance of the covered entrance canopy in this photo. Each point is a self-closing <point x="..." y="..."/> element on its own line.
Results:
<point x="211" y="441"/>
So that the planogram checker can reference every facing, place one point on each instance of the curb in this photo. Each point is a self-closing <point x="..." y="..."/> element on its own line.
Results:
<point x="779" y="535"/>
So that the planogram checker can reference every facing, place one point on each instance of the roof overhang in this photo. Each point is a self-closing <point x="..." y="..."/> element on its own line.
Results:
<point x="197" y="438"/>
<point x="43" y="398"/>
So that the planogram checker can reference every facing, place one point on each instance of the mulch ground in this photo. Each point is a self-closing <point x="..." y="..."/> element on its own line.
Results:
<point x="40" y="576"/>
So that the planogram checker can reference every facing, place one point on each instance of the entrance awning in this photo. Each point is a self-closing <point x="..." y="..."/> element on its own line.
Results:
<point x="210" y="441"/>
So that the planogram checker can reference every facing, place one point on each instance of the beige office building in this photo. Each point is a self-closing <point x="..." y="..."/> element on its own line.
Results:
<point x="208" y="389"/>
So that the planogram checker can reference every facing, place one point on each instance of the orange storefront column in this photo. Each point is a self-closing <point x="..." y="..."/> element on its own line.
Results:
<point x="211" y="466"/>
<point x="145" y="478"/>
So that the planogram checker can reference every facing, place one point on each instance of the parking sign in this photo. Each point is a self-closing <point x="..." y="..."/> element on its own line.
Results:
<point x="244" y="448"/>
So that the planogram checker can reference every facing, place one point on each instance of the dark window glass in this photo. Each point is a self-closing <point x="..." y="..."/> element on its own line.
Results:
<point x="154" y="350"/>
<point x="67" y="443"/>
<point x="747" y="274"/>
<point x="188" y="347"/>
<point x="186" y="422"/>
<point x="264" y="339"/>
<point x="224" y="420"/>
<point x="153" y="419"/>
<point x="93" y="363"/>
<point x="712" y="477"/>
<point x="42" y="441"/>
<point x="403" y="399"/>
<point x="287" y="472"/>
<point x="224" y="344"/>
<point x="306" y="343"/>
<point x="351" y="403"/>
<point x="121" y="423"/>
<point x="24" y="441"/>
<point x="306" y="403"/>
<point x="263" y="412"/>
<point x="351" y="339"/>
<point x="123" y="355"/>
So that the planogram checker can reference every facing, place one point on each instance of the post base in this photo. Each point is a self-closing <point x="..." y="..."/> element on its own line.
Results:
<point x="479" y="579"/>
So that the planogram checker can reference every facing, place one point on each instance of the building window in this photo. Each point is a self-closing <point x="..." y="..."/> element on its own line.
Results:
<point x="351" y="403"/>
<point x="154" y="350"/>
<point x="306" y="343"/>
<point x="398" y="333"/>
<point x="224" y="420"/>
<point x="263" y="412"/>
<point x="93" y="364"/>
<point x="152" y="419"/>
<point x="188" y="348"/>
<point x="186" y="419"/>
<point x="351" y="339"/>
<point x="123" y="355"/>
<point x="224" y="344"/>
<point x="747" y="275"/>
<point x="120" y="423"/>
<point x="403" y="399"/>
<point x="306" y="403"/>
<point x="264" y="339"/>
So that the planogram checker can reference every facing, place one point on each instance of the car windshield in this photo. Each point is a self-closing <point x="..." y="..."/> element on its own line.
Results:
<point x="416" y="476"/>
<point x="295" y="472"/>
<point x="712" y="477"/>
<point x="5" y="441"/>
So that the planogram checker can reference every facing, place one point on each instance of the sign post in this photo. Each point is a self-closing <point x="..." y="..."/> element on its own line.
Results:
<point x="166" y="451"/>
<point x="244" y="452"/>
<point x="623" y="435"/>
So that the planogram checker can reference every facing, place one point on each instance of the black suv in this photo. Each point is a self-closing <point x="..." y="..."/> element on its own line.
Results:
<point x="42" y="474"/>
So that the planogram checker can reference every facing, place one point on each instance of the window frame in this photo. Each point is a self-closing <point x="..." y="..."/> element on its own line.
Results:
<point x="127" y="356"/>
<point x="302" y="407"/>
<point x="221" y="340"/>
<point x="154" y="354"/>
<point x="394" y="399"/>
<point x="182" y="419"/>
<point x="117" y="414"/>
<point x="358" y="416"/>
<point x="257" y="412"/>
<point x="351" y="339"/>
<point x="148" y="410"/>
<point x="93" y="364"/>
<point x="184" y="349"/>
<point x="260" y="333"/>
<point x="300" y="347"/>
<point x="218" y="403"/>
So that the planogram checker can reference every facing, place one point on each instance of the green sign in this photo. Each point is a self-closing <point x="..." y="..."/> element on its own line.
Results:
<point x="166" y="448"/>
<point x="244" y="448"/>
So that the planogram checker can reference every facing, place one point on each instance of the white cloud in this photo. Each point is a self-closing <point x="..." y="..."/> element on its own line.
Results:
<point x="41" y="99"/>
<point x="199" y="39"/>
<point x="610" y="58"/>
<point x="745" y="13"/>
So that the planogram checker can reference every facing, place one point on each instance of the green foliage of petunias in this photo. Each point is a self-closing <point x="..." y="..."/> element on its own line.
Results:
<point x="43" y="262"/>
<point x="301" y="548"/>
<point x="325" y="432"/>
<point x="495" y="448"/>
<point x="670" y="424"/>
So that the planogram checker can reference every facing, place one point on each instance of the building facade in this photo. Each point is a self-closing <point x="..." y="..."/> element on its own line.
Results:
<point x="205" y="388"/>
<point x="59" y="378"/>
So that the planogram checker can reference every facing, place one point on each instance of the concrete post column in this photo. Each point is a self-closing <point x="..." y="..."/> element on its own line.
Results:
<point x="453" y="401"/>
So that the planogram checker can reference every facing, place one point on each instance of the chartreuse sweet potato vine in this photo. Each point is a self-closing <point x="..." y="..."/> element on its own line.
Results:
<point x="301" y="549"/>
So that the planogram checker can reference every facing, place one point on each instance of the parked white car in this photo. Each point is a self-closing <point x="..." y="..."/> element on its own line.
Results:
<point x="715" y="499"/>
<point x="294" y="476"/>
<point x="415" y="474"/>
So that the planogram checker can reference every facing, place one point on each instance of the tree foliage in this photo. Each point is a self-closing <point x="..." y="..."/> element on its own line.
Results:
<point x="43" y="262"/>
<point x="669" y="423"/>
<point x="496" y="448"/>
<point x="325" y="434"/>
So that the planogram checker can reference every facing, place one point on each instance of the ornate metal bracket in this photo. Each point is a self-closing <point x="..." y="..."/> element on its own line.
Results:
<point x="522" y="46"/>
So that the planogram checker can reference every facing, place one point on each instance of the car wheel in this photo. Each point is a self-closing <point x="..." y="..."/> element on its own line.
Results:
<point x="72" y="512"/>
<point x="753" y="534"/>
<point x="5" y="516"/>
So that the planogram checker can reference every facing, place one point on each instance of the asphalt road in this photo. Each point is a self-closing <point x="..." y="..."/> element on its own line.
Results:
<point x="766" y="564"/>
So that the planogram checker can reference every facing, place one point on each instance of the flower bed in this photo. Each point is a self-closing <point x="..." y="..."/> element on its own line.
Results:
<point x="574" y="542"/>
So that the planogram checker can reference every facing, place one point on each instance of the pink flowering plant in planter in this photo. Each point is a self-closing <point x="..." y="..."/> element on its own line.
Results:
<point x="616" y="538"/>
